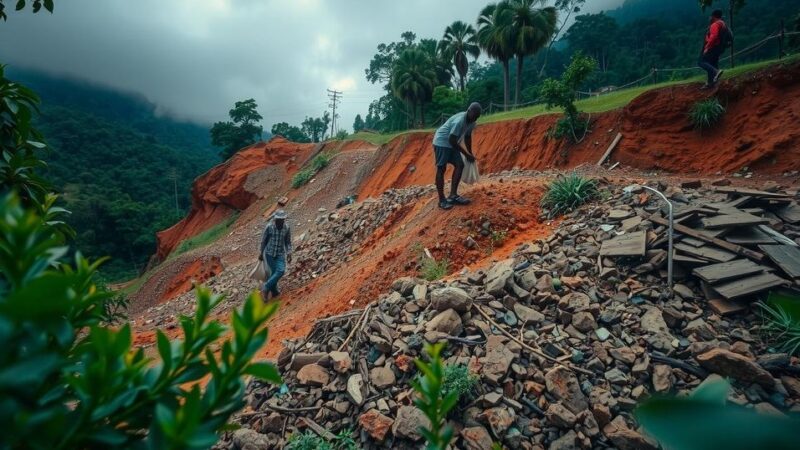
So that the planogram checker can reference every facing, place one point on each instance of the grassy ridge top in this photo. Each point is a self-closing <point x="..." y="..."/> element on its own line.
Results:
<point x="601" y="103"/>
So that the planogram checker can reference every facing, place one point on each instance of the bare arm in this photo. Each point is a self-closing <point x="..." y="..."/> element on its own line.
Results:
<point x="264" y="241"/>
<point x="456" y="145"/>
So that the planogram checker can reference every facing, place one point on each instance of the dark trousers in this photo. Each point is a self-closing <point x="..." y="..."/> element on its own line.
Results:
<point x="709" y="62"/>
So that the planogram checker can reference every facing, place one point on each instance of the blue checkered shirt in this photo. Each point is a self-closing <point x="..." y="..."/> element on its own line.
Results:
<point x="276" y="242"/>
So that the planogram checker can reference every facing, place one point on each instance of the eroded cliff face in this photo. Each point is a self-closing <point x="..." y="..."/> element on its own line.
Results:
<point x="760" y="130"/>
<point x="225" y="188"/>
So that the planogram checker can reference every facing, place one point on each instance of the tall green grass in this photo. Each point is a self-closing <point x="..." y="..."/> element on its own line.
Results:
<point x="204" y="238"/>
<point x="567" y="193"/>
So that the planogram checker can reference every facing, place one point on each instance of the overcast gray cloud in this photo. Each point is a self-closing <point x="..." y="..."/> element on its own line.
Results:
<point x="195" y="58"/>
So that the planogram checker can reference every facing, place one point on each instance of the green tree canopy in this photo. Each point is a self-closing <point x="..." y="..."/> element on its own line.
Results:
<point x="413" y="80"/>
<point x="290" y="132"/>
<point x="241" y="131"/>
<point x="358" y="124"/>
<point x="460" y="42"/>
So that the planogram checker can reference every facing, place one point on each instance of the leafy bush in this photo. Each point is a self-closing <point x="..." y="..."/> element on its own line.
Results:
<point x="432" y="399"/>
<point x="458" y="379"/>
<point x="781" y="322"/>
<point x="705" y="421"/>
<point x="563" y="93"/>
<point x="567" y="193"/>
<point x="321" y="161"/>
<point x="433" y="270"/>
<point x="341" y="135"/>
<point x="707" y="113"/>
<point x="67" y="380"/>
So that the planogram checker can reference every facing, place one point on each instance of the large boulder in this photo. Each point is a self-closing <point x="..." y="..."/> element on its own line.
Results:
<point x="498" y="276"/>
<point x="451" y="298"/>
<point x="734" y="365"/>
<point x="447" y="321"/>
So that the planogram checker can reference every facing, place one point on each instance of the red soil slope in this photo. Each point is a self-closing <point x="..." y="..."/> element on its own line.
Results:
<point x="220" y="191"/>
<point x="760" y="130"/>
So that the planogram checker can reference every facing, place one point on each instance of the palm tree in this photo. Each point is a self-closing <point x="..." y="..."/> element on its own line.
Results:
<point x="495" y="39"/>
<point x="440" y="59"/>
<point x="531" y="30"/>
<point x="460" y="41"/>
<point x="413" y="80"/>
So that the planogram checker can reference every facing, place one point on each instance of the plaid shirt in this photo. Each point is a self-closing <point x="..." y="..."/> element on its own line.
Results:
<point x="276" y="242"/>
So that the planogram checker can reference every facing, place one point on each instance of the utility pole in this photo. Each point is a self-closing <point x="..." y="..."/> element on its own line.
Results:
<point x="334" y="96"/>
<point x="174" y="176"/>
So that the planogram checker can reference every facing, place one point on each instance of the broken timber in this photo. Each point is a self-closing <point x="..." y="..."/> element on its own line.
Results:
<point x="717" y="273"/>
<point x="630" y="244"/>
<point x="784" y="256"/>
<point x="610" y="149"/>
<point x="739" y="250"/>
<point x="750" y="285"/>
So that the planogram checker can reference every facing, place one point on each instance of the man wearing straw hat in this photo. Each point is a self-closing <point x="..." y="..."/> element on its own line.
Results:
<point x="276" y="250"/>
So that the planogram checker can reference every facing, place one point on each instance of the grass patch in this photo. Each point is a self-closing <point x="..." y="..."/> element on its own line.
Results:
<point x="305" y="175"/>
<point x="310" y="441"/>
<point x="781" y="322"/>
<point x="567" y="193"/>
<point x="433" y="270"/>
<point x="706" y="113"/>
<point x="204" y="238"/>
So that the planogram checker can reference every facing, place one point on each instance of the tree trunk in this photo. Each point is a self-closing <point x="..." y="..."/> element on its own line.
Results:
<point x="461" y="77"/>
<point x="506" y="82"/>
<point x="422" y="113"/>
<point x="520" y="60"/>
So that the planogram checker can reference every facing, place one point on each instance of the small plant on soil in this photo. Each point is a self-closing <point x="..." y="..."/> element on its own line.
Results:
<point x="432" y="399"/>
<point x="567" y="193"/>
<point x="433" y="270"/>
<point x="458" y="379"/>
<point x="310" y="441"/>
<point x="305" y="175"/>
<point x="498" y="237"/>
<point x="563" y="93"/>
<point x="706" y="113"/>
<point x="781" y="322"/>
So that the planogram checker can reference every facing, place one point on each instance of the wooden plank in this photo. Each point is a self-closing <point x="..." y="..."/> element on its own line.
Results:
<point x="717" y="273"/>
<point x="789" y="213"/>
<point x="629" y="244"/>
<point x="610" y="149"/>
<point x="749" y="236"/>
<point x="739" y="219"/>
<point x="684" y="259"/>
<point x="693" y="242"/>
<point x="631" y="223"/>
<point x="739" y="250"/>
<point x="750" y="192"/>
<point x="785" y="256"/>
<point x="781" y="239"/>
<point x="708" y="252"/>
<point x="727" y="307"/>
<point x="754" y="284"/>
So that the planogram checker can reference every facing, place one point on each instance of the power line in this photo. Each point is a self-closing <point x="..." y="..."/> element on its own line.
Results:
<point x="335" y="97"/>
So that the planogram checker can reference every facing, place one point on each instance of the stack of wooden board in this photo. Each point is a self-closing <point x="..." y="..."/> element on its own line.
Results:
<point x="730" y="239"/>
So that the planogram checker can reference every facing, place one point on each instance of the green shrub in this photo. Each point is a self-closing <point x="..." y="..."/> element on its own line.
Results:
<point x="781" y="322"/>
<point x="433" y="270"/>
<point x="567" y="193"/>
<point x="705" y="420"/>
<point x="67" y="380"/>
<point x="310" y="441"/>
<point x="305" y="175"/>
<point x="707" y="113"/>
<point x="432" y="399"/>
<point x="563" y="92"/>
<point x="458" y="379"/>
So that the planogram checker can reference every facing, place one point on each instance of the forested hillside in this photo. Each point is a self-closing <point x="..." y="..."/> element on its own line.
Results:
<point x="124" y="171"/>
<point x="627" y="42"/>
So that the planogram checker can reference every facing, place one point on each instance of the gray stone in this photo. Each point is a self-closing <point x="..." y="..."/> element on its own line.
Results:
<point x="662" y="378"/>
<point x="527" y="279"/>
<point x="382" y="377"/>
<point x="734" y="365"/>
<point x="584" y="321"/>
<point x="451" y="298"/>
<point x="499" y="420"/>
<point x="340" y="362"/>
<point x="569" y="441"/>
<point x="560" y="416"/>
<point x="602" y="334"/>
<point x="247" y="439"/>
<point x="700" y="328"/>
<point x="476" y="438"/>
<point x="408" y="422"/>
<point x="313" y="374"/>
<point x="616" y="376"/>
<point x="447" y="321"/>
<point x="498" y="276"/>
<point x="624" y="354"/>
<point x="420" y="292"/>
<point x="528" y="315"/>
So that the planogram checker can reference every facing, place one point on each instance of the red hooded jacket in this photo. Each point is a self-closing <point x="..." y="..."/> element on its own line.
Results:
<point x="713" y="37"/>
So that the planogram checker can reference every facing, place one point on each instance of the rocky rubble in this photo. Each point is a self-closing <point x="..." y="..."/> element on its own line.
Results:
<point x="340" y="232"/>
<point x="564" y="341"/>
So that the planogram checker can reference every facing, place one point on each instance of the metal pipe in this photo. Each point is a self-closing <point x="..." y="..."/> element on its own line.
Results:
<point x="670" y="251"/>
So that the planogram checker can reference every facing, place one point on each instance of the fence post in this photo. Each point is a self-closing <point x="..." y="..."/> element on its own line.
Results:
<point x="655" y="75"/>
<point x="780" y="40"/>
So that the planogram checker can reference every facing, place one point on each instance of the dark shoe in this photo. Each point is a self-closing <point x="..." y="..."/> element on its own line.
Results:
<point x="718" y="76"/>
<point x="459" y="200"/>
<point x="706" y="86"/>
<point x="445" y="204"/>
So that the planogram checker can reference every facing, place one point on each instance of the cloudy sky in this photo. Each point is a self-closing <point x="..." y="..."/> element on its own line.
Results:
<point x="195" y="58"/>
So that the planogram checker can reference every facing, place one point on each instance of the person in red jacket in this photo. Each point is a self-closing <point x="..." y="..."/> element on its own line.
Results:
<point x="716" y="40"/>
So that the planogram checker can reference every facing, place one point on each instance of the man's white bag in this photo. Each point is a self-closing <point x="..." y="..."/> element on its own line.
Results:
<point x="470" y="174"/>
<point x="260" y="272"/>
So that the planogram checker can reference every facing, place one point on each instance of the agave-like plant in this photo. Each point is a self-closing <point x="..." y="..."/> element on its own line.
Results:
<point x="706" y="113"/>
<point x="781" y="322"/>
<point x="567" y="193"/>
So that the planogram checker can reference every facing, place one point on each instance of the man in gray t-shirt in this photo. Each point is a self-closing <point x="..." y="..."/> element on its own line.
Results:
<point x="447" y="149"/>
